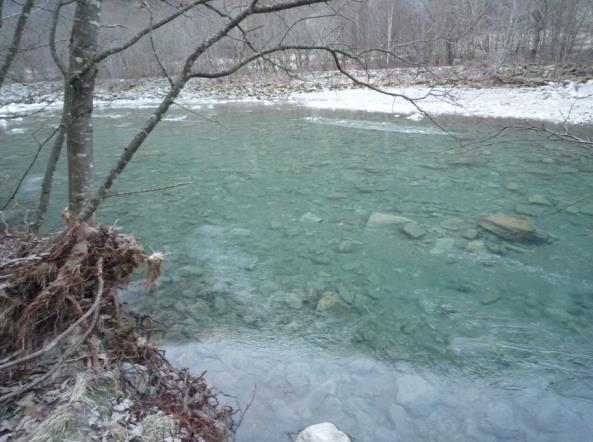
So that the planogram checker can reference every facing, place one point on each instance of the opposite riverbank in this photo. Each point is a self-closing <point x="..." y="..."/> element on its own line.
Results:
<point x="556" y="94"/>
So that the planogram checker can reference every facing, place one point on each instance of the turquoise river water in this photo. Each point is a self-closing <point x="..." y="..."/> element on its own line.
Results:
<point x="279" y="279"/>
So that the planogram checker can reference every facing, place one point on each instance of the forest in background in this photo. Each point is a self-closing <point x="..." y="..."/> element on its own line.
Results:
<point x="401" y="32"/>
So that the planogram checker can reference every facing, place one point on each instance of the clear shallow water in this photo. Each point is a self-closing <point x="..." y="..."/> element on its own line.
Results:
<point x="428" y="343"/>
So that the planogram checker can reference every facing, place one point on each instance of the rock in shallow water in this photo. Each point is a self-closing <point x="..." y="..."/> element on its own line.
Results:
<point x="330" y="301"/>
<point x="293" y="300"/>
<point x="470" y="233"/>
<point x="345" y="246"/>
<point x="324" y="432"/>
<point x="442" y="245"/>
<point x="378" y="219"/>
<point x="310" y="218"/>
<point x="511" y="228"/>
<point x="414" y="231"/>
<point x="539" y="200"/>
<point x="476" y="246"/>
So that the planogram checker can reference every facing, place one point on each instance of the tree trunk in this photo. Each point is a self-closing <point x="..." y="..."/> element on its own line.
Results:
<point x="83" y="46"/>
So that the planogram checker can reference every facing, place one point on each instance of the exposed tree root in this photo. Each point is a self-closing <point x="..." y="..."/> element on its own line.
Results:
<point x="60" y="292"/>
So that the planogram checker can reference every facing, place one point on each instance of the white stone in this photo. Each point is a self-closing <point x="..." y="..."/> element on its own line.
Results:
<point x="378" y="219"/>
<point x="310" y="218"/>
<point x="324" y="432"/>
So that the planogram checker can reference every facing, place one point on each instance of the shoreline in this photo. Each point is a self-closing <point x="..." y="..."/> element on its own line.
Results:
<point x="448" y="92"/>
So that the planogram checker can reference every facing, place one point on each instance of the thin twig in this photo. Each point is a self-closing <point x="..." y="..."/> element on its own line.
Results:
<point x="561" y="209"/>
<point x="244" y="412"/>
<point x="133" y="192"/>
<point x="18" y="186"/>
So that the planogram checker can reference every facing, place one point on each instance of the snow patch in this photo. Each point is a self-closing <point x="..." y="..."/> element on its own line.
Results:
<point x="554" y="102"/>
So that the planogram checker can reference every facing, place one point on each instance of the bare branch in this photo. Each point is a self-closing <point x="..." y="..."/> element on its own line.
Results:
<point x="52" y="38"/>
<point x="28" y="169"/>
<point x="16" y="39"/>
<point x="107" y="53"/>
<point x="154" y="189"/>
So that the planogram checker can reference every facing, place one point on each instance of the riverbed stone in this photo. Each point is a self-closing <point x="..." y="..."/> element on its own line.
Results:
<point x="310" y="218"/>
<point x="496" y="247"/>
<point x="571" y="210"/>
<point x="346" y="294"/>
<point x="539" y="200"/>
<point x="414" y="230"/>
<point x="476" y="246"/>
<point x="513" y="187"/>
<point x="470" y="233"/>
<point x="511" y="228"/>
<point x="525" y="209"/>
<point x="416" y="395"/>
<point x="337" y="196"/>
<point x="345" y="246"/>
<point x="330" y="301"/>
<point x="442" y="245"/>
<point x="324" y="432"/>
<point x="379" y="219"/>
<point x="294" y="301"/>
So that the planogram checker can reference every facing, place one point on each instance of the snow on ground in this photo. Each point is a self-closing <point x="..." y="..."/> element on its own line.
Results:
<point x="553" y="103"/>
<point x="556" y="102"/>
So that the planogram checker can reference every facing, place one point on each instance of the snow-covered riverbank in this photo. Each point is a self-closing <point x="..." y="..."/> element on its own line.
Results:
<point x="451" y="92"/>
<point x="555" y="103"/>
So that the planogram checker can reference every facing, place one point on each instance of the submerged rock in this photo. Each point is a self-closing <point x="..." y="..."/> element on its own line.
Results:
<point x="324" y="432"/>
<point x="310" y="218"/>
<point x="476" y="246"/>
<point x="337" y="196"/>
<point x="513" y="187"/>
<point x="470" y="233"/>
<point x="524" y="209"/>
<point x="414" y="231"/>
<point x="539" y="200"/>
<point x="293" y="300"/>
<point x="511" y="228"/>
<point x="345" y="246"/>
<point x="378" y="219"/>
<point x="330" y="301"/>
<point x="442" y="245"/>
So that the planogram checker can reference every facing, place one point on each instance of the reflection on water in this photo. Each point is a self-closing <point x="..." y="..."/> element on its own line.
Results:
<point x="336" y="261"/>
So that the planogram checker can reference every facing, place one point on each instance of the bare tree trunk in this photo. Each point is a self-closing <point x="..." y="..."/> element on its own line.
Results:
<point x="16" y="39"/>
<point x="83" y="47"/>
